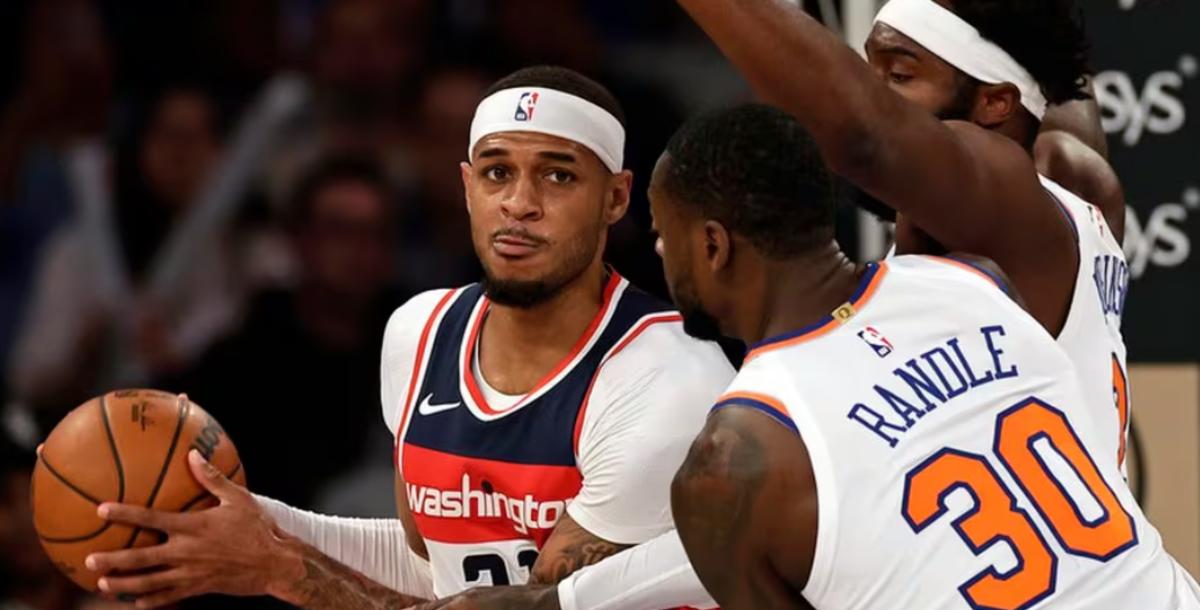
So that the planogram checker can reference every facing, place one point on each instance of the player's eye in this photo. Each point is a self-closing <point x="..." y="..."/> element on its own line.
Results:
<point x="560" y="176"/>
<point x="496" y="173"/>
<point x="899" y="77"/>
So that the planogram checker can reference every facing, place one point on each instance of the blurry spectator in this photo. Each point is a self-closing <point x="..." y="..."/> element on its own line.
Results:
<point x="28" y="580"/>
<point x="61" y="97"/>
<point x="79" y="335"/>
<point x="297" y="387"/>
<point x="365" y="68"/>
<point x="437" y="230"/>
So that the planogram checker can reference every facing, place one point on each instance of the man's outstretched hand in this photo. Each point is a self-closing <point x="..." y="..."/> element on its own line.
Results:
<point x="234" y="548"/>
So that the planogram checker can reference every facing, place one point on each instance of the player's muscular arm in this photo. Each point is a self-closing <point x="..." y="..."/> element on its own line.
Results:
<point x="968" y="188"/>
<point x="569" y="548"/>
<point x="746" y="509"/>
<point x="321" y="583"/>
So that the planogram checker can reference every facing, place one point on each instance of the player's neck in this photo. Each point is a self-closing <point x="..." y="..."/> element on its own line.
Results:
<point x="518" y="346"/>
<point x="799" y="293"/>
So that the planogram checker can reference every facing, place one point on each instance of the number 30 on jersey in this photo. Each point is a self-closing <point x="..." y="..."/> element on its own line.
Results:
<point x="1033" y="440"/>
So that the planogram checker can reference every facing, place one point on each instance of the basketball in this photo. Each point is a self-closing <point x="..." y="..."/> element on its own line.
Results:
<point x="128" y="446"/>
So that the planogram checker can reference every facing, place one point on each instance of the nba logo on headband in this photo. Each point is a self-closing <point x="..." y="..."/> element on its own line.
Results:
<point x="525" y="106"/>
<point x="559" y="114"/>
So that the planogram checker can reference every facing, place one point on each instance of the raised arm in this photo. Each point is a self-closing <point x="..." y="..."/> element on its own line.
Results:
<point x="745" y="505"/>
<point x="969" y="188"/>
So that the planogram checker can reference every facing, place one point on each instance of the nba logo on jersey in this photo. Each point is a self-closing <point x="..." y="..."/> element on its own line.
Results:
<point x="876" y="341"/>
<point x="525" y="106"/>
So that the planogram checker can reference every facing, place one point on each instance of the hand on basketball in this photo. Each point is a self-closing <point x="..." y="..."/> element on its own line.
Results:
<point x="528" y="597"/>
<point x="231" y="548"/>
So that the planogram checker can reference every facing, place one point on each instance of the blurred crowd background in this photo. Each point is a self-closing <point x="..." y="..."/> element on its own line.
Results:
<point x="229" y="197"/>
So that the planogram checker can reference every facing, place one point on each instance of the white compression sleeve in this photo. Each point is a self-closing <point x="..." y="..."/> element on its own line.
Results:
<point x="375" y="547"/>
<point x="650" y="576"/>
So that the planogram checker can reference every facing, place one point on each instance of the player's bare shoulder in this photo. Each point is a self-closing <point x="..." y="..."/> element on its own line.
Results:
<point x="1070" y="162"/>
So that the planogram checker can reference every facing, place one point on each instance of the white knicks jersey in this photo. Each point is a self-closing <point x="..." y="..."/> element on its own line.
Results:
<point x="1091" y="334"/>
<point x="955" y="457"/>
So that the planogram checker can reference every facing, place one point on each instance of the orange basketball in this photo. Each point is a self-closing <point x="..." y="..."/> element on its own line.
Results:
<point x="127" y="446"/>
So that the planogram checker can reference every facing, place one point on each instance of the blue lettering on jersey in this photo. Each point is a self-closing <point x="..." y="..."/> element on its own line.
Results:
<point x="1111" y="275"/>
<point x="918" y="376"/>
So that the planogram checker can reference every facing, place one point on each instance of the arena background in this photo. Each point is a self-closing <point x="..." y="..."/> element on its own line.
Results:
<point x="178" y="209"/>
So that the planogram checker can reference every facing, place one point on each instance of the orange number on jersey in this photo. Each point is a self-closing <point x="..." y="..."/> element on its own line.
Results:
<point x="1019" y="428"/>
<point x="995" y="517"/>
<point x="1121" y="397"/>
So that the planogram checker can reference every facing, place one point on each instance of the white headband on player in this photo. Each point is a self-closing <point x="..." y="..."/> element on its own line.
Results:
<point x="958" y="43"/>
<point x="554" y="113"/>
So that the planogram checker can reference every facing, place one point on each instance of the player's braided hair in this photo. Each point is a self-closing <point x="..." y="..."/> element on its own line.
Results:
<point x="1045" y="36"/>
<point x="756" y="170"/>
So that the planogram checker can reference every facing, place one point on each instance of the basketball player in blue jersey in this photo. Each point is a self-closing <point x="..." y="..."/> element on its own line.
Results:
<point x="941" y="125"/>
<point x="539" y="415"/>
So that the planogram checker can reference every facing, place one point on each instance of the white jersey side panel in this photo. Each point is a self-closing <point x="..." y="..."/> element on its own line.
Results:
<point x="956" y="459"/>
<point x="1091" y="335"/>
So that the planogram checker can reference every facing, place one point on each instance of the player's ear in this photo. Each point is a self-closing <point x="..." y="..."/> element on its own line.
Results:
<point x="718" y="244"/>
<point x="465" y="170"/>
<point x="617" y="201"/>
<point x="995" y="104"/>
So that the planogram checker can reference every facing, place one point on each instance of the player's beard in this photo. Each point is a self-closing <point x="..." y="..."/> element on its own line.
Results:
<point x="697" y="322"/>
<point x="959" y="108"/>
<point x="523" y="294"/>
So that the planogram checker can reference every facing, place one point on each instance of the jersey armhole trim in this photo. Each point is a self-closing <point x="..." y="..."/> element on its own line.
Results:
<point x="759" y="402"/>
<point x="418" y="370"/>
<point x="1062" y="207"/>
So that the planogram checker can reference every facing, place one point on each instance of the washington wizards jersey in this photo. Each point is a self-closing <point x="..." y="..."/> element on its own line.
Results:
<point x="958" y="463"/>
<point x="486" y="484"/>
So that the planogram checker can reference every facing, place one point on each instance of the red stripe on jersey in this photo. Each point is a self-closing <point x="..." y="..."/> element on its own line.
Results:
<point x="473" y="339"/>
<point x="416" y="370"/>
<point x="629" y="337"/>
<point x="464" y="500"/>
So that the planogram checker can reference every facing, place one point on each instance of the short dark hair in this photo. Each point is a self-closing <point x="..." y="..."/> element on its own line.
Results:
<point x="564" y="80"/>
<point x="756" y="170"/>
<point x="1045" y="36"/>
<point x="330" y="171"/>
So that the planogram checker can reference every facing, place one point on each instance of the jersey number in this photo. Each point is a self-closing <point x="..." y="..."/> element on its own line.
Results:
<point x="474" y="567"/>
<point x="1029" y="436"/>
<point x="1121" y="398"/>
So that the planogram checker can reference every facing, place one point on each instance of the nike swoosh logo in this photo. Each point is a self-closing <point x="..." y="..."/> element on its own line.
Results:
<point x="426" y="408"/>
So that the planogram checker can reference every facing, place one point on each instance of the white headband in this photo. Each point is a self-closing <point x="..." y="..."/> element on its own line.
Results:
<point x="958" y="43"/>
<point x="554" y="113"/>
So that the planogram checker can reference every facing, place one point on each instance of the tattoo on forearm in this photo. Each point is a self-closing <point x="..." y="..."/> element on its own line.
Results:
<point x="329" y="585"/>
<point x="714" y="496"/>
<point x="572" y="558"/>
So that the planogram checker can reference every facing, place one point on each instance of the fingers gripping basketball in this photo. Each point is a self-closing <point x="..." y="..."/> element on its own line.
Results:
<point x="128" y="446"/>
